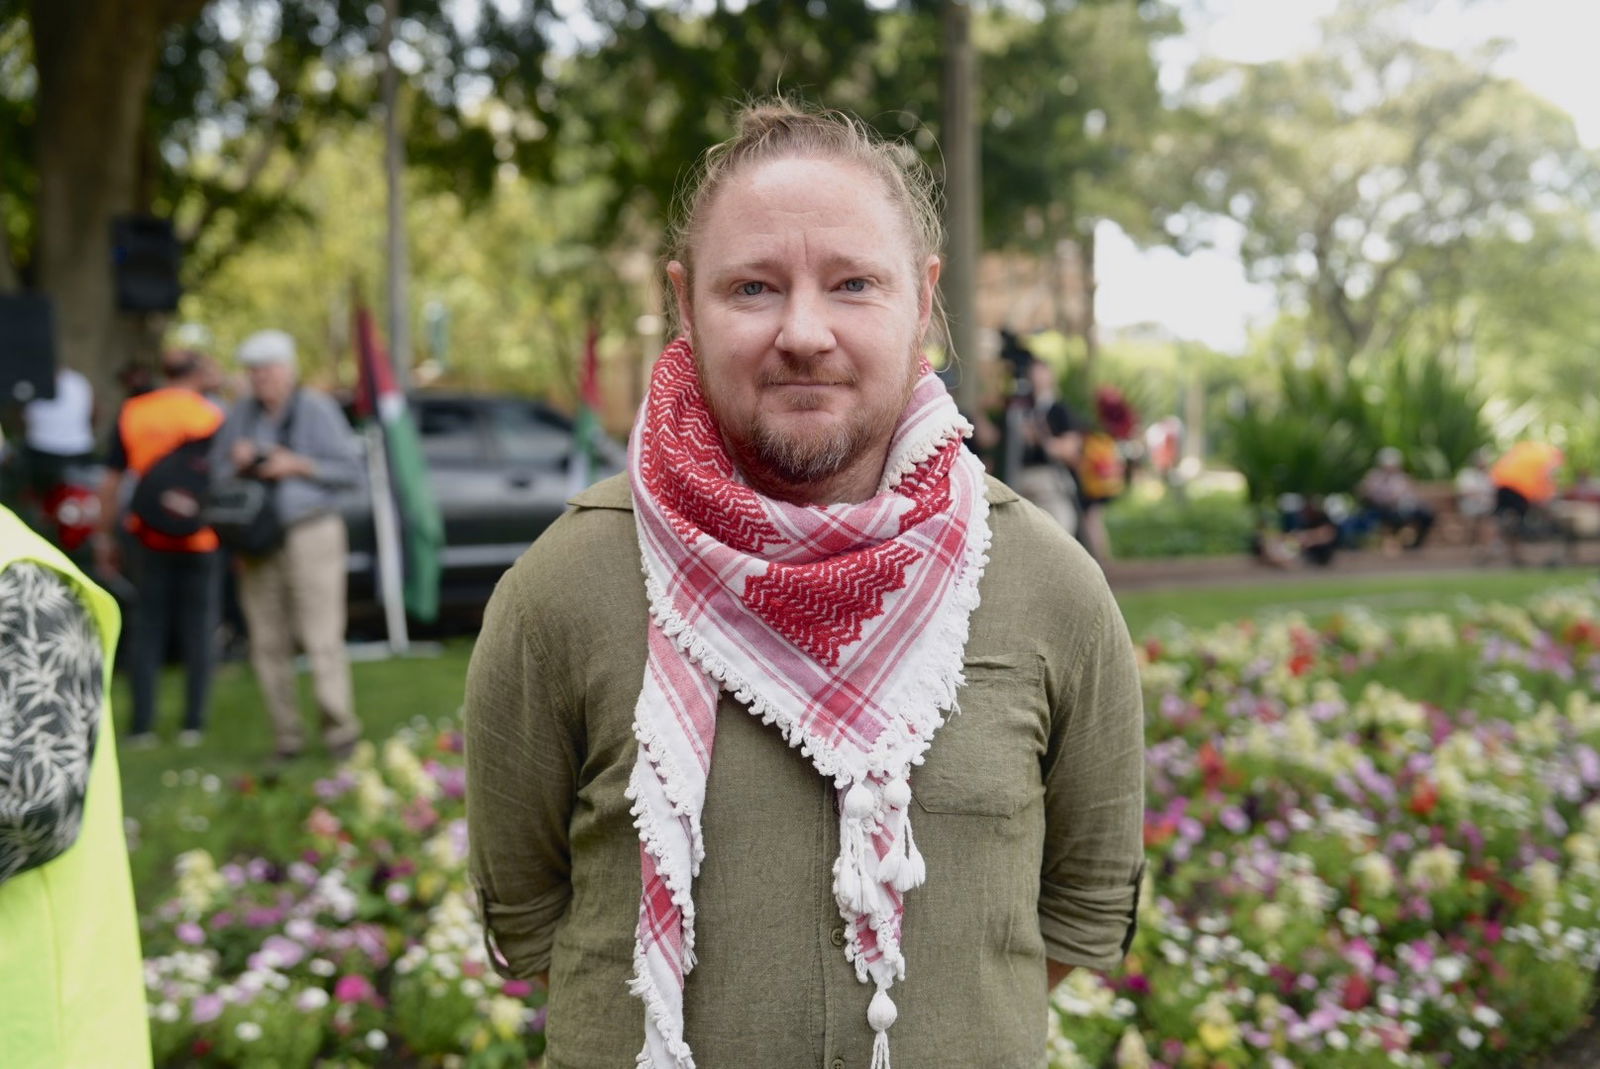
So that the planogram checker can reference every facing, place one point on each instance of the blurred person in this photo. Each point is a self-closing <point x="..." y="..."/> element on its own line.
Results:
<point x="1389" y="495"/>
<point x="175" y="568"/>
<point x="58" y="432"/>
<point x="827" y="570"/>
<point x="1102" y="469"/>
<point x="295" y="440"/>
<point x="1052" y="442"/>
<point x="1524" y="481"/>
<point x="71" y="976"/>
<point x="1475" y="500"/>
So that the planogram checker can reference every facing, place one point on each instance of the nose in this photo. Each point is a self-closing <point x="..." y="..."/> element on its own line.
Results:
<point x="805" y="329"/>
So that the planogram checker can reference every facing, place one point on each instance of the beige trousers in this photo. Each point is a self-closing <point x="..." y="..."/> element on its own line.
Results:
<point x="297" y="592"/>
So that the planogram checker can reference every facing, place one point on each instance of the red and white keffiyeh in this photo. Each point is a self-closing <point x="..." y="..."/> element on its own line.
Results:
<point x="843" y="625"/>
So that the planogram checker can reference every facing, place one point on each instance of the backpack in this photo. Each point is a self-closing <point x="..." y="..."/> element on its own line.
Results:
<point x="242" y="509"/>
<point x="1102" y="473"/>
<point x="170" y="498"/>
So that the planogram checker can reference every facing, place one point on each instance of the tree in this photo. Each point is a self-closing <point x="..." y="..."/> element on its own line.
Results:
<point x="1369" y="174"/>
<point x="206" y="111"/>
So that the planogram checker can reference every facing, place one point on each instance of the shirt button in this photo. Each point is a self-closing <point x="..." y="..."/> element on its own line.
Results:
<point x="838" y="1063"/>
<point x="837" y="938"/>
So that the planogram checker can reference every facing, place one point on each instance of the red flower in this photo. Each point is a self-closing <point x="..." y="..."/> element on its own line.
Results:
<point x="1357" y="992"/>
<point x="1424" y="798"/>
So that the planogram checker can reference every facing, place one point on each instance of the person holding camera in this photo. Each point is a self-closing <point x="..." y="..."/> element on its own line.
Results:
<point x="1052" y="445"/>
<point x="295" y="440"/>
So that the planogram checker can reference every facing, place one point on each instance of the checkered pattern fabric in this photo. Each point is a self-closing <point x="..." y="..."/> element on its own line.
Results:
<point x="842" y="625"/>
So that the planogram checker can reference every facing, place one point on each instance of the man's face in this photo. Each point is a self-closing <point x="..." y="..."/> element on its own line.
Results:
<point x="271" y="383"/>
<point x="806" y="309"/>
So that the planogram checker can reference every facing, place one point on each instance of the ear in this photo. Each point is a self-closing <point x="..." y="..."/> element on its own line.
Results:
<point x="930" y="282"/>
<point x="679" y="274"/>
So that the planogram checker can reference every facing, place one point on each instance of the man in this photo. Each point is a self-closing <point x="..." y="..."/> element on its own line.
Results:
<point x="1052" y="443"/>
<point x="177" y="577"/>
<point x="1391" y="497"/>
<point x="296" y="440"/>
<point x="740" y="789"/>
<point x="71" y="979"/>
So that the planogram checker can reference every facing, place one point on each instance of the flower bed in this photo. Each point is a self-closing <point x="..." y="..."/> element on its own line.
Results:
<point x="1369" y="844"/>
<point x="361" y="950"/>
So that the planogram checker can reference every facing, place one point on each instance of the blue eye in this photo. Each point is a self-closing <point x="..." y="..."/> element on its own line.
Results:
<point x="751" y="289"/>
<point x="855" y="285"/>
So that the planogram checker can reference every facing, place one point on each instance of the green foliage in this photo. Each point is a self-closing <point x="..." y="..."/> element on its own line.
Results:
<point x="1320" y="430"/>
<point x="1173" y="526"/>
<point x="1429" y="411"/>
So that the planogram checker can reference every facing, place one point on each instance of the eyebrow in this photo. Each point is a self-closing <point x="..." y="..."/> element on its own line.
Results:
<point x="853" y="265"/>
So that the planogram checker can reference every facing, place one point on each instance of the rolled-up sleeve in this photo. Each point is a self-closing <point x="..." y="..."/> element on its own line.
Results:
<point x="1094" y="801"/>
<point x="522" y="763"/>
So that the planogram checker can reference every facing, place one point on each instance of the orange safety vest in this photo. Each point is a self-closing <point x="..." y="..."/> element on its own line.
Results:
<point x="1529" y="468"/>
<point x="153" y="425"/>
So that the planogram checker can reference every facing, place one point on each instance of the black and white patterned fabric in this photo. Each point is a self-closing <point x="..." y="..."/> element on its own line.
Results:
<point x="51" y="687"/>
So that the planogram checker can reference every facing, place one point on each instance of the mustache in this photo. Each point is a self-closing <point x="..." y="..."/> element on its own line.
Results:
<point x="806" y="377"/>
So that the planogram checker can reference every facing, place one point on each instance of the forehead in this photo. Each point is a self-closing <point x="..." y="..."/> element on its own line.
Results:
<point x="812" y="206"/>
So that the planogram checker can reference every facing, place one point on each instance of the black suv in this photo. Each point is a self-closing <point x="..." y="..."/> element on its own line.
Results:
<point x="502" y="469"/>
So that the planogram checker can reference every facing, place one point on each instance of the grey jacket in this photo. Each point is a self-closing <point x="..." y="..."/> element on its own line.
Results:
<point x="318" y="430"/>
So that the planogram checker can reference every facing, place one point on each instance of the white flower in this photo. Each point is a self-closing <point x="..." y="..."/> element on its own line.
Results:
<point x="248" y="1031"/>
<point x="166" y="1013"/>
<point x="311" y="999"/>
<point x="377" y="1039"/>
<point x="1469" y="1038"/>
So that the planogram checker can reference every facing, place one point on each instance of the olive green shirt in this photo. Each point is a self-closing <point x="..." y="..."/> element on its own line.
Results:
<point x="1028" y="810"/>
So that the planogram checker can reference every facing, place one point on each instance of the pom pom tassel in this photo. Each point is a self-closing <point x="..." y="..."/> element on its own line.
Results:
<point x="880" y="1015"/>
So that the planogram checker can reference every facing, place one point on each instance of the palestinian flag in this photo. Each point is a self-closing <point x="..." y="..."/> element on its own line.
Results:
<point x="422" y="529"/>
<point x="586" y="431"/>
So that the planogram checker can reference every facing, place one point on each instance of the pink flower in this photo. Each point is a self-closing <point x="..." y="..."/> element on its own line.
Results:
<point x="516" y="989"/>
<point x="323" y="824"/>
<point x="206" y="1008"/>
<point x="191" y="933"/>
<point x="353" y="987"/>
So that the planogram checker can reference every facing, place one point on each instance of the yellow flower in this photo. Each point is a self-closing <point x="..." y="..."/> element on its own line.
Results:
<point x="1216" y="1029"/>
<point x="1376" y="874"/>
<point x="506" y="1016"/>
<point x="1131" y="1050"/>
<point x="1435" y="867"/>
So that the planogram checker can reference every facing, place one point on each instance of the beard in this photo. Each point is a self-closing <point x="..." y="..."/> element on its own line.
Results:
<point x="762" y="446"/>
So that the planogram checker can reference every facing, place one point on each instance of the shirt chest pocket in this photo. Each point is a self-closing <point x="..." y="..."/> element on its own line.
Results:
<point x="985" y="759"/>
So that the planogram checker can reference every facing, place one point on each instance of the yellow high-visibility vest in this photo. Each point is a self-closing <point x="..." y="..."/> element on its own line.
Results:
<point x="71" y="976"/>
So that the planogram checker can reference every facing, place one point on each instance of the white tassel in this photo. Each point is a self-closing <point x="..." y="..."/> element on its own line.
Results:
<point x="881" y="1015"/>
<point x="912" y="870"/>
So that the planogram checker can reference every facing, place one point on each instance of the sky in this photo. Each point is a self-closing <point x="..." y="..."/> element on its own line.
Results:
<point x="1205" y="296"/>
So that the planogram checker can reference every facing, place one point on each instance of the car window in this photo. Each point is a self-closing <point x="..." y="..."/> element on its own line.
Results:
<point x="449" y="431"/>
<point x="526" y="434"/>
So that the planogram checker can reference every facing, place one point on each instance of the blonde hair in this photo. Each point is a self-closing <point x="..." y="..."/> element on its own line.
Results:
<point x="777" y="129"/>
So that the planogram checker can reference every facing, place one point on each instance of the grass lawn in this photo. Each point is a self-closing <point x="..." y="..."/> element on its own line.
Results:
<point x="215" y="796"/>
<point x="1201" y="607"/>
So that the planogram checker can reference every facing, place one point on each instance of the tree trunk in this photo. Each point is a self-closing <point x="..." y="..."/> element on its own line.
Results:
<point x="960" y="278"/>
<point x="95" y="59"/>
<point x="1087" y="325"/>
